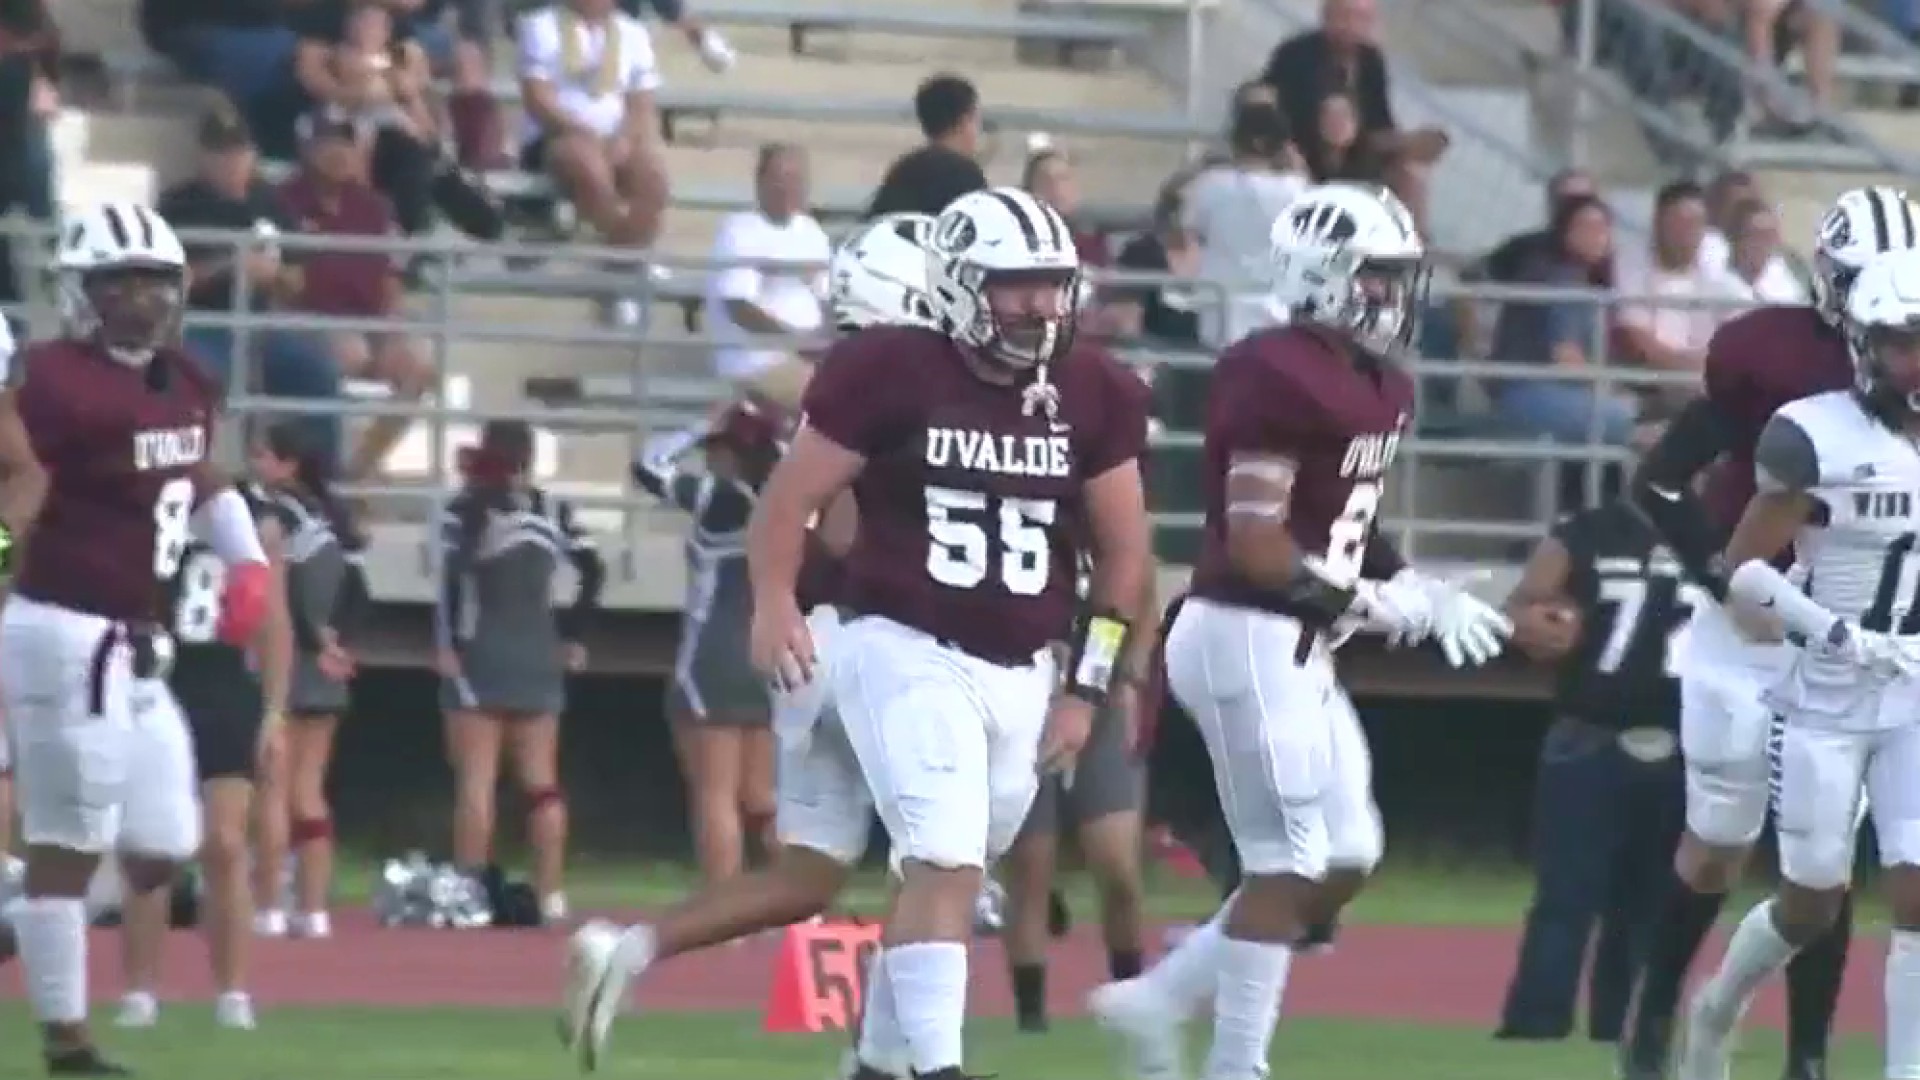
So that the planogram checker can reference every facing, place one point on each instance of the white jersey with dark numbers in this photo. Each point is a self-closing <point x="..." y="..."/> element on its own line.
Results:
<point x="1858" y="550"/>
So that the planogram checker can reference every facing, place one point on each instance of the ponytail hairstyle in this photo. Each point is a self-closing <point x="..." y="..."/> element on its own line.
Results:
<point x="313" y="472"/>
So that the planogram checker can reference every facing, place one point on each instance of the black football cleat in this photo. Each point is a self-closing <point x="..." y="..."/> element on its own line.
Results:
<point x="1646" y="1049"/>
<point x="868" y="1072"/>
<point x="83" y="1061"/>
<point x="1806" y="1069"/>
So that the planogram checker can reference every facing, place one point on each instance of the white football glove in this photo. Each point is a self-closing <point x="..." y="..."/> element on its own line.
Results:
<point x="1401" y="608"/>
<point x="1470" y="630"/>
<point x="1885" y="656"/>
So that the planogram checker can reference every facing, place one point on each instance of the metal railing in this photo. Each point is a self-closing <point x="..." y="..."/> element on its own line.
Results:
<point x="1494" y="440"/>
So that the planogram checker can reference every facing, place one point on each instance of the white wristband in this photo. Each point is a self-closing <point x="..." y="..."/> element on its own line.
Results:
<point x="1764" y="592"/>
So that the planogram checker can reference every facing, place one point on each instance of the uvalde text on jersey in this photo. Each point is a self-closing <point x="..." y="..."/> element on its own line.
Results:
<point x="1008" y="455"/>
<point x="1368" y="456"/>
<point x="169" y="448"/>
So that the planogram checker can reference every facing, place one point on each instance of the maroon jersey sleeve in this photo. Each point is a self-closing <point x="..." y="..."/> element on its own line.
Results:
<point x="855" y="398"/>
<point x="38" y="403"/>
<point x="1247" y="410"/>
<point x="1121" y="435"/>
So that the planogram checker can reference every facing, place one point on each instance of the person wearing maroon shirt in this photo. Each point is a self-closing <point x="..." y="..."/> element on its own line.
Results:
<point x="330" y="196"/>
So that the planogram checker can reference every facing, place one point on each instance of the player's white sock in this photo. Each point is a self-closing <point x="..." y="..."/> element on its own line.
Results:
<point x="1252" y="979"/>
<point x="882" y="1045"/>
<point x="1755" y="952"/>
<point x="52" y="935"/>
<point x="1903" y="1006"/>
<point x="1185" y="976"/>
<point x="929" y="980"/>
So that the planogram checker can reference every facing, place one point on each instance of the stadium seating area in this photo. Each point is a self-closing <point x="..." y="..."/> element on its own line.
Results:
<point x="1101" y="76"/>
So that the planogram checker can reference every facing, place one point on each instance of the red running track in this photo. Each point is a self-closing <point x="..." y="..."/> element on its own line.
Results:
<point x="1426" y="974"/>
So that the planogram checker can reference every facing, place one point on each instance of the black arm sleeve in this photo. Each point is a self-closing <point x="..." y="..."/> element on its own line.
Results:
<point x="1382" y="560"/>
<point x="1662" y="491"/>
<point x="592" y="569"/>
<point x="353" y="604"/>
<point x="459" y="537"/>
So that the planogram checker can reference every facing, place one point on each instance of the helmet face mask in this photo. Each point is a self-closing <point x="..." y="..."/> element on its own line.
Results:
<point x="1348" y="258"/>
<point x="1862" y="224"/>
<point x="1004" y="279"/>
<point x="879" y="277"/>
<point x="122" y="280"/>
<point x="1883" y="333"/>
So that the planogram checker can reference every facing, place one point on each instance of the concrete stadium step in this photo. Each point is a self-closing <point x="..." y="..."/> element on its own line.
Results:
<point x="832" y="77"/>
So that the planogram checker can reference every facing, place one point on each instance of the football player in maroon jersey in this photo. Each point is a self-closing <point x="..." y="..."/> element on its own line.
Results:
<point x="974" y="469"/>
<point x="1303" y="422"/>
<point x="124" y="423"/>
<point x="1755" y="364"/>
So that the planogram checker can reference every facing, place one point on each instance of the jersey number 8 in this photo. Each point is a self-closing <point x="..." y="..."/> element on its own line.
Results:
<point x="196" y="610"/>
<point x="172" y="529"/>
<point x="1347" y="535"/>
<point x="961" y="547"/>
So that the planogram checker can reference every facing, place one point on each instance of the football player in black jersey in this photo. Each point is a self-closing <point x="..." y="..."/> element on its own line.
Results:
<point x="233" y="699"/>
<point x="1599" y="600"/>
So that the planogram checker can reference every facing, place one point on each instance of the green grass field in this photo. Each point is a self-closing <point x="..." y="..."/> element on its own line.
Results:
<point x="431" y="1043"/>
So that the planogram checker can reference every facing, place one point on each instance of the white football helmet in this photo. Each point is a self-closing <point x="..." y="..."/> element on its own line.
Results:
<point x="1883" y="326"/>
<point x="122" y="278"/>
<point x="1004" y="237"/>
<point x="1348" y="256"/>
<point x="1863" y="223"/>
<point x="879" y="275"/>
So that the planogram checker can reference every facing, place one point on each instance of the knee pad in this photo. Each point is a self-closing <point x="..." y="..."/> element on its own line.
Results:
<point x="1816" y="859"/>
<point x="1358" y="843"/>
<point x="1727" y="804"/>
<point x="309" y="830"/>
<point x="541" y="798"/>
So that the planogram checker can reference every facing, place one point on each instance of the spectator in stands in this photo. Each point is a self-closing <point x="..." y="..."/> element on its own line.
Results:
<point x="588" y="77"/>
<point x="1563" y="334"/>
<point x="1758" y="270"/>
<point x="1339" y="153"/>
<point x="29" y="58"/>
<point x="1161" y="314"/>
<point x="330" y="196"/>
<point x="1343" y="56"/>
<point x="356" y="56"/>
<point x="1049" y="177"/>
<point x="244" y="50"/>
<point x="228" y="194"/>
<point x="1661" y="67"/>
<point x="713" y="49"/>
<point x="924" y="180"/>
<point x="1672" y="312"/>
<point x="771" y="281"/>
<point x="1229" y="211"/>
<point x="1727" y="190"/>
<point x="1774" y="28"/>
<point x="1514" y="259"/>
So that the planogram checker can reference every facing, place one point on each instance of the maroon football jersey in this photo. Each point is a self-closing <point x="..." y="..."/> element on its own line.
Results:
<point x="119" y="454"/>
<point x="1295" y="392"/>
<point x="967" y="495"/>
<point x="1755" y="364"/>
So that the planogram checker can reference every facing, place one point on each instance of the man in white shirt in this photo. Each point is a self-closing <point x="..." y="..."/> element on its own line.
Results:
<point x="771" y="278"/>
<point x="1758" y="270"/>
<point x="587" y="79"/>
<point x="1675" y="305"/>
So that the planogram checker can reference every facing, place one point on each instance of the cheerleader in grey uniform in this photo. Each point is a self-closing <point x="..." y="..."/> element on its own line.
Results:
<point x="326" y="602"/>
<point x="720" y="708"/>
<point x="505" y="651"/>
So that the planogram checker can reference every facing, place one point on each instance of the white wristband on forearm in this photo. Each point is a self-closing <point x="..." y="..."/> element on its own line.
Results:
<point x="1767" y="592"/>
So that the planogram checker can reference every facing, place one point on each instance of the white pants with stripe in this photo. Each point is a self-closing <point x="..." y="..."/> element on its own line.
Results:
<point x="1290" y="761"/>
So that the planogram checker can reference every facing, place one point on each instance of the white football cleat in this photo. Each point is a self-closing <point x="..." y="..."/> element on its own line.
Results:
<point x="1151" y="1026"/>
<point x="601" y="962"/>
<point x="1706" y="1048"/>
<point x="313" y="925"/>
<point x="234" y="1010"/>
<point x="138" y="1009"/>
<point x="270" y="922"/>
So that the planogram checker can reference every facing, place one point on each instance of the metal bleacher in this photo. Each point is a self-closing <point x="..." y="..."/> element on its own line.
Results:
<point x="836" y="77"/>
